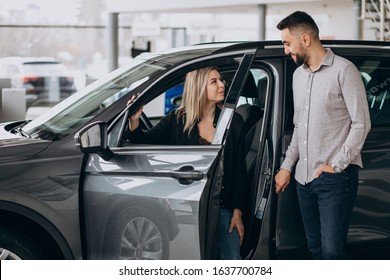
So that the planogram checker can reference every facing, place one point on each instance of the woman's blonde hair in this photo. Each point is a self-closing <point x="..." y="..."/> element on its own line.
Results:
<point x="194" y="97"/>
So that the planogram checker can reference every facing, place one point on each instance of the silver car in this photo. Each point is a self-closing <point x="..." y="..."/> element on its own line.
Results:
<point x="71" y="186"/>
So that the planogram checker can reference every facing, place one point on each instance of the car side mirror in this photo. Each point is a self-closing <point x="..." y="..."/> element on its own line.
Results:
<point x="93" y="139"/>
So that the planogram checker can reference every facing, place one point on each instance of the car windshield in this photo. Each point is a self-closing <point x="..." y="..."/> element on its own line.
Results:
<point x="82" y="106"/>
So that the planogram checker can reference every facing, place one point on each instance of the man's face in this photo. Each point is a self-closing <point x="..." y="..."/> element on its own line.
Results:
<point x="294" y="47"/>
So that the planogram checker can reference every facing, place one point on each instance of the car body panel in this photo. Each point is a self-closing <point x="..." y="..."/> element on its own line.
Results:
<point x="47" y="185"/>
<point x="157" y="176"/>
<point x="144" y="174"/>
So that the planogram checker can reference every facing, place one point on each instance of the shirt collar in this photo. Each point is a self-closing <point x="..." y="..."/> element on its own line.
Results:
<point x="326" y="61"/>
<point x="328" y="58"/>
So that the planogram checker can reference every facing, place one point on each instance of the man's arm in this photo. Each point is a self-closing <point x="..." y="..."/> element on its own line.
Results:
<point x="354" y="94"/>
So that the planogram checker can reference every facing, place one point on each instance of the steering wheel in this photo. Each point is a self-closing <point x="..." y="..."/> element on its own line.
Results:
<point x="124" y="123"/>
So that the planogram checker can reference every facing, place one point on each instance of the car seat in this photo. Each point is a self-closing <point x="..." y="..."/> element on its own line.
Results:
<point x="251" y="115"/>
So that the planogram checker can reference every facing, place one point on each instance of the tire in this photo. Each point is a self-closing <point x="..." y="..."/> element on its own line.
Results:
<point x="137" y="234"/>
<point x="17" y="245"/>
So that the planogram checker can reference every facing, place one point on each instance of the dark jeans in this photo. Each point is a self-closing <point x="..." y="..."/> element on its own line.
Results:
<point x="229" y="243"/>
<point x="326" y="204"/>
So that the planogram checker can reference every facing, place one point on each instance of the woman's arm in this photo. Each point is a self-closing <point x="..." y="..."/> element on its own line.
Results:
<point x="134" y="119"/>
<point x="157" y="135"/>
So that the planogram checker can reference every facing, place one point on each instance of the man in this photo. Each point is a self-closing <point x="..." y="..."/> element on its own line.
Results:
<point x="331" y="121"/>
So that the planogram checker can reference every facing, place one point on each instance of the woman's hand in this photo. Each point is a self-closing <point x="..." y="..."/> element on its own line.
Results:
<point x="236" y="222"/>
<point x="134" y="119"/>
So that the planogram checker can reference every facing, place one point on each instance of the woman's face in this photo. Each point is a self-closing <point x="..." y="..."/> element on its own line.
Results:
<point x="215" y="87"/>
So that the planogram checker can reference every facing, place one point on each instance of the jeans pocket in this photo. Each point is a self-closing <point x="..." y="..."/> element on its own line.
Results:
<point x="332" y="179"/>
<point x="329" y="173"/>
<point x="333" y="175"/>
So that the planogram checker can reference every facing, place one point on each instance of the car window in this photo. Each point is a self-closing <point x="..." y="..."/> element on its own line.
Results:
<point x="79" y="108"/>
<point x="168" y="100"/>
<point x="161" y="105"/>
<point x="154" y="110"/>
<point x="252" y="95"/>
<point x="171" y="98"/>
<point x="376" y="77"/>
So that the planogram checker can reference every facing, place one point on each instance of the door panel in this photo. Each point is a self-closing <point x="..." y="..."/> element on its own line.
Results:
<point x="144" y="184"/>
<point x="157" y="202"/>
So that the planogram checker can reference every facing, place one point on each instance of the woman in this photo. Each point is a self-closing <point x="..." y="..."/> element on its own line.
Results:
<point x="193" y="123"/>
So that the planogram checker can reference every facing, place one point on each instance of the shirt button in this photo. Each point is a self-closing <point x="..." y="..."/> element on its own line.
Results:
<point x="305" y="159"/>
<point x="307" y="108"/>
<point x="304" y="142"/>
<point x="305" y="124"/>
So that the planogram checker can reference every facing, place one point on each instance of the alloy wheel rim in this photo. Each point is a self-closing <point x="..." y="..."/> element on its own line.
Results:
<point x="141" y="240"/>
<point x="8" y="255"/>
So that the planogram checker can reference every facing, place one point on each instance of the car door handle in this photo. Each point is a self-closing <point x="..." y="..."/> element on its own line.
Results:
<point x="187" y="175"/>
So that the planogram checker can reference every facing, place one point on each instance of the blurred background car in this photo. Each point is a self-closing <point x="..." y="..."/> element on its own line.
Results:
<point x="46" y="80"/>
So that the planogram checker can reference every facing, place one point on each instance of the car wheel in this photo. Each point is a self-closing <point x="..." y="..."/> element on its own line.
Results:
<point x="16" y="245"/>
<point x="139" y="235"/>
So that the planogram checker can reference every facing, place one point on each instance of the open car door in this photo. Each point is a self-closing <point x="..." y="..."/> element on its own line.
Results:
<point x="153" y="201"/>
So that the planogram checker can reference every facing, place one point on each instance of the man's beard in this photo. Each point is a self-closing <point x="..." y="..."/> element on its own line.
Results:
<point x="299" y="59"/>
<point x="300" y="56"/>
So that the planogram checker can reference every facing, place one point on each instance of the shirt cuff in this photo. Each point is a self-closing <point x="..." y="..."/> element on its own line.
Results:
<point x="287" y="165"/>
<point x="344" y="158"/>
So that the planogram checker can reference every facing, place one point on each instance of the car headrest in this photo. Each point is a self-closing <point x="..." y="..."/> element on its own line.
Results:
<point x="250" y="87"/>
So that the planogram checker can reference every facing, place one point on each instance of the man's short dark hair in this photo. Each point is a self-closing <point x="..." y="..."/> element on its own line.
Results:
<point x="299" y="21"/>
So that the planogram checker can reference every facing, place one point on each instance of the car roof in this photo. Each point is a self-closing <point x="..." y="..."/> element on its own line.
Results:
<point x="180" y="54"/>
<point x="177" y="55"/>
